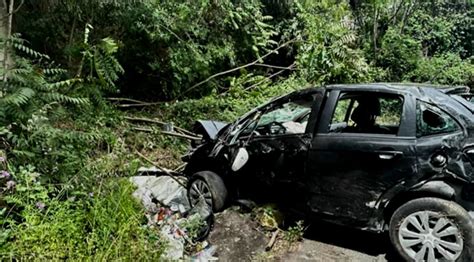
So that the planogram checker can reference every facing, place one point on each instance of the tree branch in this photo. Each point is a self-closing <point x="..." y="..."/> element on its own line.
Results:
<point x="235" y="69"/>
<point x="290" y="67"/>
<point x="276" y="67"/>
<point x="141" y="119"/>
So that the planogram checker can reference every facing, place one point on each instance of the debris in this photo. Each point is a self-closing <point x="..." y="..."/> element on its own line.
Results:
<point x="168" y="209"/>
<point x="164" y="189"/>
<point x="272" y="240"/>
<point x="205" y="255"/>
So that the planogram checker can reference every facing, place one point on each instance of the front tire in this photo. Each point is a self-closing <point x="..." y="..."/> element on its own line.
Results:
<point x="210" y="186"/>
<point x="432" y="229"/>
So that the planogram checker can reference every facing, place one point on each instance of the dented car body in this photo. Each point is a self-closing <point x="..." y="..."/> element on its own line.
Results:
<point x="350" y="154"/>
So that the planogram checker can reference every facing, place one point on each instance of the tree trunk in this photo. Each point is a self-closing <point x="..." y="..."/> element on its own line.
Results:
<point x="375" y="31"/>
<point x="7" y="19"/>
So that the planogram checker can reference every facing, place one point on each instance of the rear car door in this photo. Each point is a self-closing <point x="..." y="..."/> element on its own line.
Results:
<point x="351" y="165"/>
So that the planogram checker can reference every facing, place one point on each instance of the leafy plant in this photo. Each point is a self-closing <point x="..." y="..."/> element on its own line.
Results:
<point x="329" y="53"/>
<point x="295" y="233"/>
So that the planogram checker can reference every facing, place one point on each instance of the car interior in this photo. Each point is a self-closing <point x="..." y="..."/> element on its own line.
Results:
<point x="367" y="113"/>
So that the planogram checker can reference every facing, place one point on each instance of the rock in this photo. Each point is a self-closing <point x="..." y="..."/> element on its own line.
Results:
<point x="232" y="225"/>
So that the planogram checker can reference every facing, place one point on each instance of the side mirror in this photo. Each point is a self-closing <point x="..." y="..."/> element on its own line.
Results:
<point x="240" y="159"/>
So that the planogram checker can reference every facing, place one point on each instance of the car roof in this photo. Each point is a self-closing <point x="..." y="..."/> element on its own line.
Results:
<point x="435" y="94"/>
<point x="416" y="89"/>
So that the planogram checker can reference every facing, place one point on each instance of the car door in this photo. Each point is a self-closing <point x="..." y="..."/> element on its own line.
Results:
<point x="276" y="160"/>
<point x="349" y="170"/>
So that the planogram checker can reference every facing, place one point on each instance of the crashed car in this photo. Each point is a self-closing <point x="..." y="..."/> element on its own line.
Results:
<point x="394" y="158"/>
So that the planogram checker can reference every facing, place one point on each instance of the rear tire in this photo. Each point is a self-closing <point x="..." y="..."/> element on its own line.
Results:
<point x="432" y="229"/>
<point x="211" y="187"/>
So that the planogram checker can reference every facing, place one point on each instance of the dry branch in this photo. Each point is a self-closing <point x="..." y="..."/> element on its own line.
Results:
<point x="158" y="122"/>
<point x="170" y="173"/>
<point x="272" y="240"/>
<point x="149" y="130"/>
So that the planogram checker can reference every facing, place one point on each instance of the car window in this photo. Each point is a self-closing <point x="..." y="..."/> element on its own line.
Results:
<point x="291" y="118"/>
<point x="431" y="120"/>
<point x="367" y="112"/>
<point x="285" y="117"/>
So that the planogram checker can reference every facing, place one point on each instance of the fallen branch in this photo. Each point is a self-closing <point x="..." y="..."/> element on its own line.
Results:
<point x="149" y="120"/>
<point x="196" y="138"/>
<point x="143" y="129"/>
<point x="165" y="170"/>
<point x="272" y="240"/>
<point x="139" y="105"/>
<point x="134" y="102"/>
<point x="236" y="68"/>
<point x="149" y="130"/>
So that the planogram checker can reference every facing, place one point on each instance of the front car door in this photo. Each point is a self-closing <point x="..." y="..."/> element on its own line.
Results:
<point x="352" y="161"/>
<point x="277" y="144"/>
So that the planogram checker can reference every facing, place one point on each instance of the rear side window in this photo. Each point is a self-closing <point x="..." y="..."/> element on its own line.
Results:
<point x="431" y="121"/>
<point x="367" y="112"/>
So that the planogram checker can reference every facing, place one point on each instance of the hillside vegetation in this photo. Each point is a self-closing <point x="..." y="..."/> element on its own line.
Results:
<point x="65" y="149"/>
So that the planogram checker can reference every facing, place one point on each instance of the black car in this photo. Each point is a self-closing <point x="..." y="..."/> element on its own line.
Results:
<point x="379" y="157"/>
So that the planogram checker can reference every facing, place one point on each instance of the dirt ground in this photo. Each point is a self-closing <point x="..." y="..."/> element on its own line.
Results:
<point x="238" y="237"/>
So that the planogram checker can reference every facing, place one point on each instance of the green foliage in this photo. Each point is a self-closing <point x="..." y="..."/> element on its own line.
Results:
<point x="295" y="233"/>
<point x="227" y="107"/>
<point x="328" y="53"/>
<point x="167" y="46"/>
<point x="446" y="69"/>
<point x="399" y="55"/>
<point x="102" y="225"/>
<point x="64" y="141"/>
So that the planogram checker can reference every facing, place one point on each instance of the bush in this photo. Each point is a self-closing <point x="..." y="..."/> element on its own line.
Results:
<point x="399" y="55"/>
<point x="448" y="69"/>
<point x="102" y="225"/>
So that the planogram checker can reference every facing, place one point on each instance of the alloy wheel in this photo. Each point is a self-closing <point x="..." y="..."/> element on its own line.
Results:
<point x="430" y="236"/>
<point x="200" y="190"/>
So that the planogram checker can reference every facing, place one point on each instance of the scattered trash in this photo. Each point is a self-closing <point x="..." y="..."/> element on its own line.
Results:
<point x="161" y="189"/>
<point x="168" y="210"/>
<point x="206" y="254"/>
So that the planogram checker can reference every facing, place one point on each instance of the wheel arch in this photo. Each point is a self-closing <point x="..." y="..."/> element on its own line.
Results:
<point x="438" y="189"/>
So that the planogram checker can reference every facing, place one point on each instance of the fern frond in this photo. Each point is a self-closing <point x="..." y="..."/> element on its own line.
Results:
<point x="54" y="71"/>
<point x="29" y="51"/>
<point x="20" y="97"/>
<point x="57" y="97"/>
<point x="64" y="83"/>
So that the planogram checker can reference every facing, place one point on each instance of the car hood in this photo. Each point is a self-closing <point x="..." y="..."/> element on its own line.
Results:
<point x="208" y="128"/>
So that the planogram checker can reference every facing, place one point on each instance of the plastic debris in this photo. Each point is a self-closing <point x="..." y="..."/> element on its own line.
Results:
<point x="169" y="210"/>
<point x="163" y="189"/>
<point x="206" y="254"/>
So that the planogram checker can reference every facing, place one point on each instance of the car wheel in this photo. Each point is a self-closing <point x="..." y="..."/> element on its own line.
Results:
<point x="210" y="186"/>
<point x="432" y="229"/>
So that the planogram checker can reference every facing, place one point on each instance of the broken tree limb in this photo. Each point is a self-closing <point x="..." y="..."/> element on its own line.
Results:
<point x="272" y="240"/>
<point x="149" y="130"/>
<point x="165" y="170"/>
<point x="158" y="122"/>
<point x="181" y="135"/>
<point x="143" y="129"/>
<point x="132" y="102"/>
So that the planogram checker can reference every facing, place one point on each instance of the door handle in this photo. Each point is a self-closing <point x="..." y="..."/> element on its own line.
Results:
<point x="388" y="155"/>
